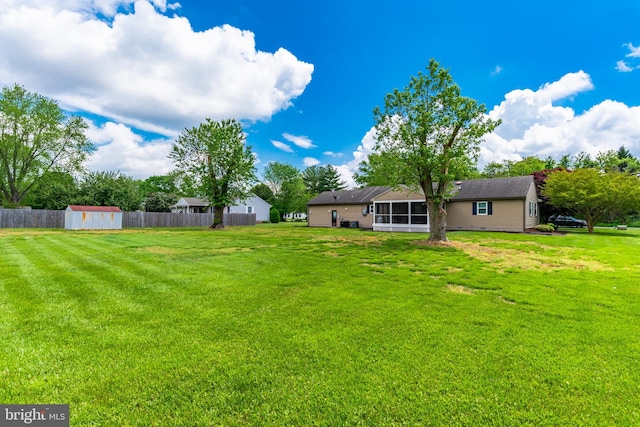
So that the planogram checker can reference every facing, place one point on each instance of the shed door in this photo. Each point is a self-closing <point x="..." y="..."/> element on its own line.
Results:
<point x="334" y="218"/>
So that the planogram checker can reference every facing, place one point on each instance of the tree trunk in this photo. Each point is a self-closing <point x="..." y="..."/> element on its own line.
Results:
<point x="218" y="217"/>
<point x="437" y="222"/>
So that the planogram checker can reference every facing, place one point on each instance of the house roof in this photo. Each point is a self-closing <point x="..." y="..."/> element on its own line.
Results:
<point x="191" y="201"/>
<point x="348" y="197"/>
<point x="515" y="187"/>
<point x="474" y="189"/>
<point x="93" y="208"/>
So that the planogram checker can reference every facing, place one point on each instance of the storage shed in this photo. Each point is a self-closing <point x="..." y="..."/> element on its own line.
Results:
<point x="92" y="218"/>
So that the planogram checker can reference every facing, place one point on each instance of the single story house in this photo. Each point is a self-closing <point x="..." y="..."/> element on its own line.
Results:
<point x="253" y="204"/>
<point x="191" y="205"/>
<point x="337" y="208"/>
<point x="78" y="217"/>
<point x="293" y="216"/>
<point x="494" y="204"/>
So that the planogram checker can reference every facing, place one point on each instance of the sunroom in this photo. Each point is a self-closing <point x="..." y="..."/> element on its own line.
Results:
<point x="400" y="215"/>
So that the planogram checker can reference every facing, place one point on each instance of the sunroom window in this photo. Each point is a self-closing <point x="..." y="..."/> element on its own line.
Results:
<point x="383" y="213"/>
<point x="400" y="213"/>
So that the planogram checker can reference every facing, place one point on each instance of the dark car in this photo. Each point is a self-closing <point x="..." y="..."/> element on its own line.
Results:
<point x="567" y="221"/>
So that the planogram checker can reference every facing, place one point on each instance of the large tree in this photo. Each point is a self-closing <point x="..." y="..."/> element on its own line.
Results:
<point x="593" y="195"/>
<point x="160" y="184"/>
<point x="433" y="134"/>
<point x="215" y="156"/>
<point x="318" y="179"/>
<point x="374" y="171"/>
<point x="54" y="190"/>
<point x="35" y="138"/>
<point x="526" y="166"/>
<point x="263" y="191"/>
<point x="109" y="188"/>
<point x="288" y="189"/>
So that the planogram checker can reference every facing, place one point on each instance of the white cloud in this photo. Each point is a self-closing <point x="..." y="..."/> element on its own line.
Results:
<point x="332" y="154"/>
<point x="366" y="147"/>
<point x="300" y="141"/>
<point x="141" y="67"/>
<point x="623" y="67"/>
<point x="523" y="108"/>
<point x="282" y="146"/>
<point x="532" y="125"/>
<point x="310" y="161"/>
<point x="497" y="70"/>
<point x="634" y="51"/>
<point x="120" y="149"/>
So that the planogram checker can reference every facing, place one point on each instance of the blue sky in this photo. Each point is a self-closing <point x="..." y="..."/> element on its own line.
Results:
<point x="304" y="77"/>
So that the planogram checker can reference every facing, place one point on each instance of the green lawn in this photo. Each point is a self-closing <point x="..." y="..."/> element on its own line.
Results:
<point x="281" y="324"/>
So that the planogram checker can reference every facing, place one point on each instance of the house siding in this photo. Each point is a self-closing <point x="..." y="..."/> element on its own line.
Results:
<point x="400" y="195"/>
<point x="507" y="215"/>
<point x="530" y="221"/>
<point x="260" y="208"/>
<point x="320" y="216"/>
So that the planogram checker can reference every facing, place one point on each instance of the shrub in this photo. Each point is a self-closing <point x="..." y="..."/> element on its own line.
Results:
<point x="274" y="216"/>
<point x="546" y="227"/>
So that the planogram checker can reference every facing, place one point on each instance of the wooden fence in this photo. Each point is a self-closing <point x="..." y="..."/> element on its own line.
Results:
<point x="161" y="219"/>
<point x="37" y="218"/>
<point x="31" y="218"/>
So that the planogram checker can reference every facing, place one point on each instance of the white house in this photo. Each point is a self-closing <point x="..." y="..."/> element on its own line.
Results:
<point x="255" y="205"/>
<point x="252" y="205"/>
<point x="292" y="216"/>
<point x="191" y="205"/>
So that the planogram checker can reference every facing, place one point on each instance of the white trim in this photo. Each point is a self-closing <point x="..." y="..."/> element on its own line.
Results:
<point x="389" y="225"/>
<point x="486" y="208"/>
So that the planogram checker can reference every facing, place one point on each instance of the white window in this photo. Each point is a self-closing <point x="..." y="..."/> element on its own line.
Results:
<point x="533" y="209"/>
<point x="249" y="209"/>
<point x="483" y="208"/>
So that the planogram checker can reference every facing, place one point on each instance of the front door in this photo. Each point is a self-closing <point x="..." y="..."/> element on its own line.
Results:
<point x="334" y="218"/>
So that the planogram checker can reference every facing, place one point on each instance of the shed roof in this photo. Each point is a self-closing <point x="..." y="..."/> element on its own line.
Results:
<point x="348" y="197"/>
<point x="515" y="187"/>
<point x="93" y="208"/>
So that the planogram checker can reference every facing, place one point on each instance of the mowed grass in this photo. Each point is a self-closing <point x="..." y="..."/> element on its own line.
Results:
<point x="282" y="324"/>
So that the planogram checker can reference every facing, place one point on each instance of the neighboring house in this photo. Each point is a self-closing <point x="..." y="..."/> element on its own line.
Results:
<point x="336" y="208"/>
<point x="191" y="205"/>
<point x="253" y="204"/>
<point x="292" y="216"/>
<point x="495" y="204"/>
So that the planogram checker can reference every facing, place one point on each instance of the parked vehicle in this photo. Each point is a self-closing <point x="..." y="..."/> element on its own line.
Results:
<point x="567" y="221"/>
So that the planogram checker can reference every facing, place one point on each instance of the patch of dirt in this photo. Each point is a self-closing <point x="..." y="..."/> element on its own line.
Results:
<point x="433" y="244"/>
<point x="546" y="233"/>
<point x="458" y="289"/>
<point x="526" y="257"/>
<point x="162" y="250"/>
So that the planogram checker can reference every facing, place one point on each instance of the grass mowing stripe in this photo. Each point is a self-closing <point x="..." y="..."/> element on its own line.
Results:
<point x="279" y="325"/>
